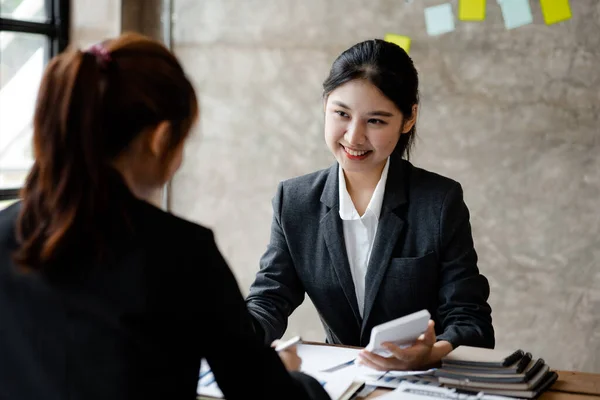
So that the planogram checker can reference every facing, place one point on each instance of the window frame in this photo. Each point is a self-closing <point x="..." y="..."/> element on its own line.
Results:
<point x="56" y="30"/>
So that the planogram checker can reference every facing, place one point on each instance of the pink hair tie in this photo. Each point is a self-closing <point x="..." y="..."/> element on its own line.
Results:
<point x="102" y="55"/>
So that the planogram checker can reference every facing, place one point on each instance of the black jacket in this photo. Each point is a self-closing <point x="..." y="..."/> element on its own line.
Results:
<point x="136" y="327"/>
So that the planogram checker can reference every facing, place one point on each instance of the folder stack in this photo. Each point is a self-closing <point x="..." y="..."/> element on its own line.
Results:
<point x="495" y="372"/>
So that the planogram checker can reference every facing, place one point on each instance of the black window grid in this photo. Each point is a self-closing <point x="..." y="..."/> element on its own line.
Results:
<point x="56" y="31"/>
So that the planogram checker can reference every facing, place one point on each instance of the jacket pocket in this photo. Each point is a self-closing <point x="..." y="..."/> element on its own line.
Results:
<point x="423" y="268"/>
<point x="413" y="282"/>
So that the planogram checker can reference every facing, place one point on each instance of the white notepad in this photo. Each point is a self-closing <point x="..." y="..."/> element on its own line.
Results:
<point x="403" y="332"/>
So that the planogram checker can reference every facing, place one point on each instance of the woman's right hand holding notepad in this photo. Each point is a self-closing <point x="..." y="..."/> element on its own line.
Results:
<point x="409" y="358"/>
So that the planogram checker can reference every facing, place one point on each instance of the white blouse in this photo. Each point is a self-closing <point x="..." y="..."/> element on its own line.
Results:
<point x="359" y="232"/>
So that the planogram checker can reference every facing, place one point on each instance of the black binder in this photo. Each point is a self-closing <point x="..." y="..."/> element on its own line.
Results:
<point x="480" y="357"/>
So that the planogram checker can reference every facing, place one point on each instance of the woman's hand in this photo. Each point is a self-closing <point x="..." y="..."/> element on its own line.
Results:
<point x="289" y="357"/>
<point x="422" y="354"/>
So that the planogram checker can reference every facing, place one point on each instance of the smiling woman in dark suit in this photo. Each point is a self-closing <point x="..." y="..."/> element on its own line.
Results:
<point x="373" y="238"/>
<point x="102" y="295"/>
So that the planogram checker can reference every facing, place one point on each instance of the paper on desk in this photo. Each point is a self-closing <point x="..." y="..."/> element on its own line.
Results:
<point x="207" y="385"/>
<point x="415" y="391"/>
<point x="392" y="381"/>
<point x="372" y="377"/>
<point x="334" y="385"/>
<point x="316" y="358"/>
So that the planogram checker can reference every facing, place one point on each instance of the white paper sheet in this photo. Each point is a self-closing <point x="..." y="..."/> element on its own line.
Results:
<point x="334" y="385"/>
<point x="413" y="391"/>
<point x="316" y="358"/>
<point x="207" y="385"/>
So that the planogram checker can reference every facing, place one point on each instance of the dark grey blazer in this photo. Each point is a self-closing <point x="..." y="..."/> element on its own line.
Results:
<point x="422" y="257"/>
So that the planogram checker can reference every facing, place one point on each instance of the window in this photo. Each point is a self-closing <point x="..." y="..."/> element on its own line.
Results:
<point x="31" y="32"/>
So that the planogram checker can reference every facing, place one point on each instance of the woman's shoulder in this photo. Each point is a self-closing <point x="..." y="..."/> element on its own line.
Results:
<point x="154" y="221"/>
<point x="8" y="219"/>
<point x="430" y="181"/>
<point x="310" y="181"/>
<point x="10" y="213"/>
<point x="306" y="188"/>
<point x="300" y="197"/>
<point x="428" y="187"/>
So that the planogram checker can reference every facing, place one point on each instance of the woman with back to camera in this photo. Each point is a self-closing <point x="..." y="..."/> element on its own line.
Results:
<point x="102" y="295"/>
<point x="373" y="238"/>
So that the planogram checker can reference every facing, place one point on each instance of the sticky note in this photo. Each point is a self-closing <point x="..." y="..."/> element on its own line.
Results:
<point x="515" y="13"/>
<point x="471" y="10"/>
<point x="439" y="19"/>
<point x="555" y="10"/>
<point x="402" y="41"/>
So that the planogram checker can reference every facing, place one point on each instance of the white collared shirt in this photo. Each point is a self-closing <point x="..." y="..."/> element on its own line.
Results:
<point x="359" y="232"/>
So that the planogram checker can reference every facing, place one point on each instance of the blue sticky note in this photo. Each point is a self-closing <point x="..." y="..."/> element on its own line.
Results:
<point x="439" y="19"/>
<point x="516" y="13"/>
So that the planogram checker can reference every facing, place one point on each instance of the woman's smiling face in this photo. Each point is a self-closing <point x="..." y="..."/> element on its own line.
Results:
<point x="362" y="126"/>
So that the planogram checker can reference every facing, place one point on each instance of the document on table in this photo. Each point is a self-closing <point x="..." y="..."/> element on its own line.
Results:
<point x="338" y="387"/>
<point x="315" y="360"/>
<point x="207" y="385"/>
<point x="318" y="359"/>
<point x="413" y="391"/>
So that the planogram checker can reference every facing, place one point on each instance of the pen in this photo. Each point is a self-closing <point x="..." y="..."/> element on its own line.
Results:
<point x="340" y="366"/>
<point x="289" y="343"/>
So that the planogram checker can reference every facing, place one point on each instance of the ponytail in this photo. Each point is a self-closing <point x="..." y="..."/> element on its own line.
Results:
<point x="90" y="106"/>
<point x="67" y="186"/>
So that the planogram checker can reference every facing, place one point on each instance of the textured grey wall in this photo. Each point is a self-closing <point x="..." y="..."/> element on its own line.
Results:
<point x="513" y="115"/>
<point x="91" y="23"/>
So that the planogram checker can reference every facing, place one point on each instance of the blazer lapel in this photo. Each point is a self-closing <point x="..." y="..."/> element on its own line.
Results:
<point x="333" y="232"/>
<point x="388" y="230"/>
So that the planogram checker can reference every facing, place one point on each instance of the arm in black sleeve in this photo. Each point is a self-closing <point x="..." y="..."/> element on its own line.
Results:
<point x="277" y="290"/>
<point x="241" y="363"/>
<point x="463" y="310"/>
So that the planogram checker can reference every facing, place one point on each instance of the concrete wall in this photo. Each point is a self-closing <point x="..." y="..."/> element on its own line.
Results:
<point x="93" y="21"/>
<point x="513" y="115"/>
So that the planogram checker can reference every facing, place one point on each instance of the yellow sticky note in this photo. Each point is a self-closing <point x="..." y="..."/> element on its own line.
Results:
<point x="471" y="10"/>
<point x="402" y="41"/>
<point x="555" y="10"/>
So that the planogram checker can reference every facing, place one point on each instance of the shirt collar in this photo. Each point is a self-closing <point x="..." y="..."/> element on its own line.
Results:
<point x="347" y="209"/>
